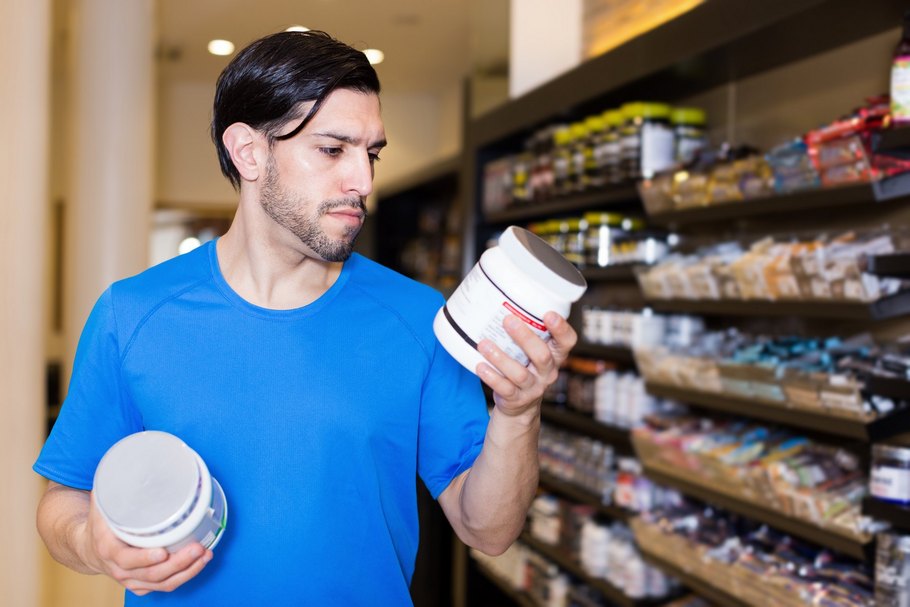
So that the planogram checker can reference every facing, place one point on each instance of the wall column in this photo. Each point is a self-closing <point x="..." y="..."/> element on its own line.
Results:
<point x="108" y="167"/>
<point x="25" y="33"/>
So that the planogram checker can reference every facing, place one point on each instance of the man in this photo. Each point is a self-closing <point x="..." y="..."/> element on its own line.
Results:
<point x="307" y="377"/>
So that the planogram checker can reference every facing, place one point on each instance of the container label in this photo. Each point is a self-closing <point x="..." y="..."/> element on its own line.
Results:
<point x="900" y="88"/>
<point x="890" y="483"/>
<point x="477" y="308"/>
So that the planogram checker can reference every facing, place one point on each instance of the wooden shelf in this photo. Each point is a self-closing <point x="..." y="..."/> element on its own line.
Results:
<point x="897" y="515"/>
<point x="892" y="306"/>
<point x="521" y="598"/>
<point x="893" y="141"/>
<point x="696" y="584"/>
<point x="894" y="264"/>
<point x="621" y="196"/>
<point x="624" y="272"/>
<point x="806" y="530"/>
<point x="773" y="411"/>
<point x="570" y="564"/>
<point x="587" y="425"/>
<point x="614" y="353"/>
<point x="582" y="496"/>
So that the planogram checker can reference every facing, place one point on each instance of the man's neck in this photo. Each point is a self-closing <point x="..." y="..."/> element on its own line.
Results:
<point x="268" y="266"/>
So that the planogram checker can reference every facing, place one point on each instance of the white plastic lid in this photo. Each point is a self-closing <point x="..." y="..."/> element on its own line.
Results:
<point x="147" y="482"/>
<point x="534" y="256"/>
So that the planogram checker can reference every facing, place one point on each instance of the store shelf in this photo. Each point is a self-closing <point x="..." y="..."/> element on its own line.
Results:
<point x="891" y="387"/>
<point x="569" y="564"/>
<point x="582" y="496"/>
<point x="587" y="425"/>
<point x="896" y="515"/>
<point x="623" y="272"/>
<point x="563" y="205"/>
<point x="892" y="306"/>
<point x="615" y="353"/>
<point x="893" y="264"/>
<point x="772" y="411"/>
<point x="694" y="583"/>
<point x="822" y="536"/>
<point x="809" y="200"/>
<point x="713" y="44"/>
<point x="520" y="598"/>
<point x="893" y="141"/>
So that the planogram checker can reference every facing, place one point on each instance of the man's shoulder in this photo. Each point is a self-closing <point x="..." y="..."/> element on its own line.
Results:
<point x="392" y="286"/>
<point x="163" y="281"/>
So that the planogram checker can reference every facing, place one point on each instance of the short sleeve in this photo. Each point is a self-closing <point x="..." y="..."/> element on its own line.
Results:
<point x="96" y="412"/>
<point x="453" y="422"/>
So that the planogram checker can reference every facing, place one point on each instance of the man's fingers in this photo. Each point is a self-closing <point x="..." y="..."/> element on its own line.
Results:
<point x="169" y="578"/>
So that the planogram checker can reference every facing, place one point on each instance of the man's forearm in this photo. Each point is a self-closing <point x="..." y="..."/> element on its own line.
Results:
<point x="62" y="516"/>
<point x="496" y="492"/>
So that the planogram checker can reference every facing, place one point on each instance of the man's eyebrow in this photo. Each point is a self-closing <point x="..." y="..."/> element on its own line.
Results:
<point x="381" y="143"/>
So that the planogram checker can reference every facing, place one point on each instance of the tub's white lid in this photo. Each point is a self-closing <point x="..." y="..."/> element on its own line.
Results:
<point x="543" y="263"/>
<point x="146" y="481"/>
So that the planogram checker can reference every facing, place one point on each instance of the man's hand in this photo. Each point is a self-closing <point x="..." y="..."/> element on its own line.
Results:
<point x="78" y="537"/>
<point x="518" y="389"/>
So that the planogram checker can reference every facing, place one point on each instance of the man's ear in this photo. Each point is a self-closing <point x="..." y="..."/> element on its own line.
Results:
<point x="241" y="141"/>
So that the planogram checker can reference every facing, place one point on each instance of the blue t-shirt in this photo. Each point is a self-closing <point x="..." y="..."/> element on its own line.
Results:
<point x="316" y="422"/>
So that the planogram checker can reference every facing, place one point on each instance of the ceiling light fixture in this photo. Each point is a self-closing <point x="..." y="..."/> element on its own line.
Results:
<point x="221" y="47"/>
<point x="297" y="28"/>
<point x="374" y="55"/>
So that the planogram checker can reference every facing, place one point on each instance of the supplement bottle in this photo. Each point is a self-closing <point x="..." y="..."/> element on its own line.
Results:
<point x="594" y="174"/>
<point x="523" y="276"/>
<point x="602" y="230"/>
<point x="154" y="491"/>
<point x="609" y="149"/>
<point x="580" y="148"/>
<point x="646" y="139"/>
<point x="689" y="133"/>
<point x="562" y="160"/>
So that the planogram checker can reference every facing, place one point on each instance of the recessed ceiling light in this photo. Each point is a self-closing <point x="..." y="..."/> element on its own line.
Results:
<point x="297" y="28"/>
<point x="221" y="47"/>
<point x="374" y="55"/>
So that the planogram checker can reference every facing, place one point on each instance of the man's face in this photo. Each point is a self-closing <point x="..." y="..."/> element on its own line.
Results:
<point x="316" y="183"/>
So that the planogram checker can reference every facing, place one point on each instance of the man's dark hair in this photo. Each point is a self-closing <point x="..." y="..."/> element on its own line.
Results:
<point x="265" y="83"/>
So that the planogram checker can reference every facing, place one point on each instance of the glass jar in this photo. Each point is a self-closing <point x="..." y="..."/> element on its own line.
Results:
<point x="575" y="240"/>
<point x="594" y="175"/>
<point x="579" y="147"/>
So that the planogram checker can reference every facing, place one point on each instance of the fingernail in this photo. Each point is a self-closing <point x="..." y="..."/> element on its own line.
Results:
<point x="159" y="555"/>
<point x="485" y="347"/>
<point x="511" y="322"/>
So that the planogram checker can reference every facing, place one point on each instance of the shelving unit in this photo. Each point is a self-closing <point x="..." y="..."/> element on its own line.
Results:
<point x="582" y="496"/>
<point x="587" y="425"/>
<point x="898" y="516"/>
<point x="696" y="584"/>
<point x="882" y="309"/>
<point x="780" y="413"/>
<point x="714" y="495"/>
<point x="715" y="44"/>
<point x="569" y="564"/>
<point x="615" y="353"/>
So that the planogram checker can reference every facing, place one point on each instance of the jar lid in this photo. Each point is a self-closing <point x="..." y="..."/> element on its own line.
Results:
<point x="901" y="454"/>
<point x="655" y="110"/>
<point x="688" y="115"/>
<point x="603" y="217"/>
<point x="538" y="259"/>
<point x="146" y="482"/>
<point x="595" y="124"/>
<point x="613" y="117"/>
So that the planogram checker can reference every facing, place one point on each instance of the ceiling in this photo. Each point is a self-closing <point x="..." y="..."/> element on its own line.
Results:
<point x="429" y="45"/>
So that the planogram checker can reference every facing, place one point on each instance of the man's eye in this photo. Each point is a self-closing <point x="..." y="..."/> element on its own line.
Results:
<point x="374" y="157"/>
<point x="330" y="151"/>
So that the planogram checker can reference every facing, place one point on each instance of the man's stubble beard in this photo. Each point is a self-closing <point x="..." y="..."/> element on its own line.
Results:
<point x="287" y="211"/>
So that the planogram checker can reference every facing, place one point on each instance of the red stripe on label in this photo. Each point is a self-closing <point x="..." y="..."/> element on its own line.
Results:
<point x="522" y="316"/>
